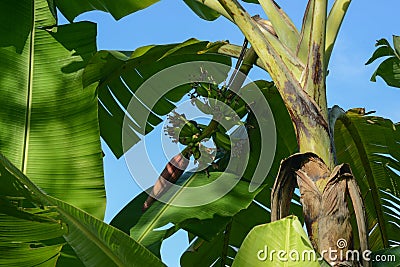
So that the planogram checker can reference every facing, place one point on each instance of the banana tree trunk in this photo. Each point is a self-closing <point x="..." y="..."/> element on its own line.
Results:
<point x="324" y="187"/>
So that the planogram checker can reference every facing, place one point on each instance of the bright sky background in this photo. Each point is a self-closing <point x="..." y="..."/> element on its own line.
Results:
<point x="172" y="22"/>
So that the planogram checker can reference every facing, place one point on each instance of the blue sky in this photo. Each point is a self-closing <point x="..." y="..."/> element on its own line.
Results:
<point x="171" y="21"/>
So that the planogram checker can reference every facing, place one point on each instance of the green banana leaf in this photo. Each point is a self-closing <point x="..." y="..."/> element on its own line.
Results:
<point x="389" y="69"/>
<point x="118" y="9"/>
<point x="386" y="258"/>
<point x="22" y="232"/>
<point x="286" y="143"/>
<point x="203" y="252"/>
<point x="48" y="123"/>
<point x="35" y="226"/>
<point x="119" y="77"/>
<point x="201" y="10"/>
<point x="371" y="145"/>
<point x="284" y="235"/>
<point x="146" y="228"/>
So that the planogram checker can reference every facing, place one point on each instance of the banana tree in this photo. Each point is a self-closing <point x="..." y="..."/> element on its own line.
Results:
<point x="297" y="61"/>
<point x="48" y="132"/>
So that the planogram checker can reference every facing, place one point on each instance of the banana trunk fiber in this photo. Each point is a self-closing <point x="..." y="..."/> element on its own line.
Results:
<point x="325" y="208"/>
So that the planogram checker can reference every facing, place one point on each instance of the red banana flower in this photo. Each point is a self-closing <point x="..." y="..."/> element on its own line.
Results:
<point x="171" y="173"/>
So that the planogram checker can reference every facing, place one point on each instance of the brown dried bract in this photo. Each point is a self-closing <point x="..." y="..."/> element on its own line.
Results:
<point x="324" y="199"/>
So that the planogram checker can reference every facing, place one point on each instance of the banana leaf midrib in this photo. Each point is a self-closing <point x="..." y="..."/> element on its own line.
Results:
<point x="29" y="93"/>
<point x="88" y="234"/>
